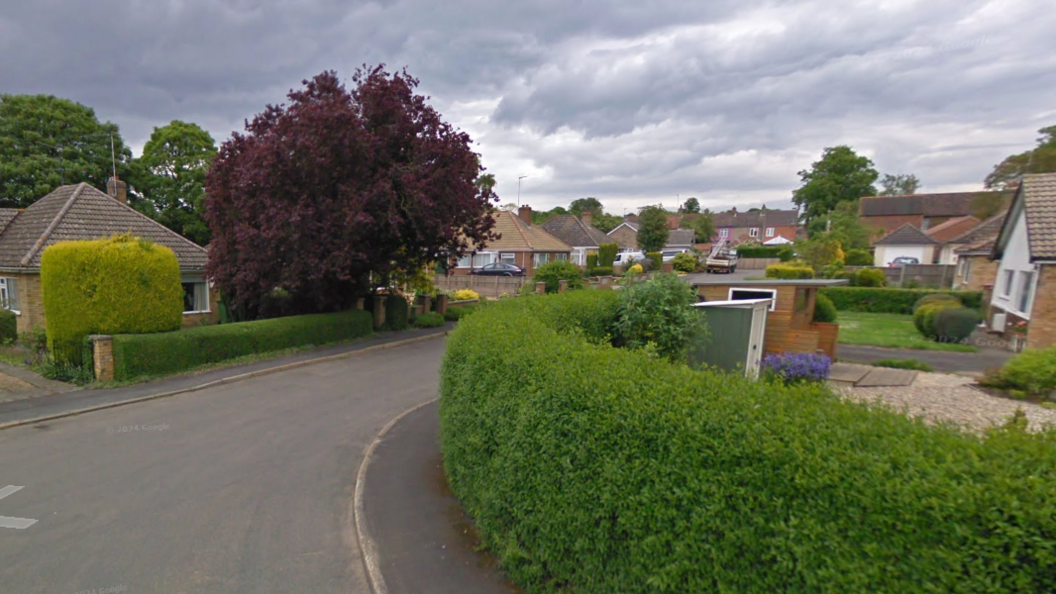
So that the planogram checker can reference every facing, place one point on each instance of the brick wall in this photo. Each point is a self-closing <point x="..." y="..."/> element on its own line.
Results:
<point x="31" y="302"/>
<point x="888" y="224"/>
<point x="1042" y="326"/>
<point x="983" y="272"/>
<point x="625" y="237"/>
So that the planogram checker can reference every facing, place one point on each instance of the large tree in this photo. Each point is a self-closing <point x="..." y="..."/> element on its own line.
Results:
<point x="703" y="227"/>
<point x="840" y="176"/>
<point x="339" y="188"/>
<point x="1040" y="159"/>
<point x="842" y="224"/>
<point x="169" y="178"/>
<point x="47" y="141"/>
<point x="692" y="205"/>
<point x="899" y="184"/>
<point x="652" y="228"/>
<point x="588" y="204"/>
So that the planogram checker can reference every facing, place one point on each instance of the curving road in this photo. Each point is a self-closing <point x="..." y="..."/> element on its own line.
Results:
<point x="241" y="488"/>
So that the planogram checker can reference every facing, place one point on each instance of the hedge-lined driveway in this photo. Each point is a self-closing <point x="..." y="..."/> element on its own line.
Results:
<point x="245" y="487"/>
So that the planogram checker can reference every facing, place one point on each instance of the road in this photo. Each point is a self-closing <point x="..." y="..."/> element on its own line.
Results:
<point x="242" y="488"/>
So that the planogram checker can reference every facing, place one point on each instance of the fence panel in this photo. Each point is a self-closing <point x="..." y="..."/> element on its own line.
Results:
<point x="489" y="286"/>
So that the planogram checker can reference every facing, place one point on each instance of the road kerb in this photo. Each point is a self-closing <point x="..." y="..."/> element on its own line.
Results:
<point x="221" y="381"/>
<point x="367" y="547"/>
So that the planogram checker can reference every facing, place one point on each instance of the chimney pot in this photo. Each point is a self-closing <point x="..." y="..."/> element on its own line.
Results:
<point x="587" y="218"/>
<point x="117" y="189"/>
<point x="525" y="212"/>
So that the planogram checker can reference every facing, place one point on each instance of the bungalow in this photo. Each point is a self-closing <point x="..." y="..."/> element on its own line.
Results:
<point x="1025" y="288"/>
<point x="578" y="233"/>
<point x="756" y="225"/>
<point x="519" y="243"/>
<point x="923" y="211"/>
<point x="77" y="212"/>
<point x="905" y="242"/>
<point x="975" y="270"/>
<point x="626" y="236"/>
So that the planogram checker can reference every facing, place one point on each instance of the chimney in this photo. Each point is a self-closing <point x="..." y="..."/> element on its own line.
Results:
<point x="587" y="218"/>
<point x="734" y="211"/>
<point x="117" y="189"/>
<point x="525" y="212"/>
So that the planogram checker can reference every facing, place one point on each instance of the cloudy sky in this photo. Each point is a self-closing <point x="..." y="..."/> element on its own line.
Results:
<point x="633" y="102"/>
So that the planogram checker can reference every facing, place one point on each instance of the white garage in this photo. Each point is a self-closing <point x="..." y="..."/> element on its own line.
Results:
<point x="906" y="241"/>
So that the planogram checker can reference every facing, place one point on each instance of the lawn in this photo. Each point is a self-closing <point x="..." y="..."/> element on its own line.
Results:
<point x="889" y="330"/>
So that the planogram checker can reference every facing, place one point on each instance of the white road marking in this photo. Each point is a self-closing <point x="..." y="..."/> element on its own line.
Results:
<point x="16" y="523"/>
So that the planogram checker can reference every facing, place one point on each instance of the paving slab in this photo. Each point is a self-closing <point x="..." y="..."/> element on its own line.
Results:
<point x="848" y="372"/>
<point x="882" y="376"/>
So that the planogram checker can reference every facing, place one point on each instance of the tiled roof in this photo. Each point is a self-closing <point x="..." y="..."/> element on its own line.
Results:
<point x="951" y="204"/>
<point x="979" y="248"/>
<point x="759" y="218"/>
<point x="573" y="231"/>
<point x="985" y="230"/>
<point x="679" y="237"/>
<point x="1040" y="203"/>
<point x="906" y="235"/>
<point x="516" y="235"/>
<point x="952" y="228"/>
<point x="6" y="216"/>
<point x="78" y="212"/>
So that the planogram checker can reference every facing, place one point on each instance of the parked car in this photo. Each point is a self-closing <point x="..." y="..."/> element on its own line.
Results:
<point x="904" y="261"/>
<point x="623" y="257"/>
<point x="498" y="269"/>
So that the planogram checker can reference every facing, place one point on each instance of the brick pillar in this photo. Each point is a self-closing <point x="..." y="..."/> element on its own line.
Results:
<point x="540" y="288"/>
<point x="562" y="286"/>
<point x="605" y="282"/>
<point x="441" y="304"/>
<point x="426" y="302"/>
<point x="103" y="356"/>
<point x="379" y="311"/>
<point x="360" y="303"/>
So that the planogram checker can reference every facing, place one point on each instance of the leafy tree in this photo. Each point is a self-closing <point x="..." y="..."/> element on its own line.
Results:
<point x="703" y="227"/>
<point x="844" y="226"/>
<point x="170" y="178"/>
<point x="47" y="141"/>
<point x="899" y="184"/>
<point x="541" y="216"/>
<point x="692" y="205"/>
<point x="841" y="175"/>
<point x="606" y="222"/>
<point x="658" y="315"/>
<point x="820" y="252"/>
<point x="582" y="205"/>
<point x="1040" y="159"/>
<point x="552" y="273"/>
<point x="339" y="189"/>
<point x="987" y="204"/>
<point x="486" y="182"/>
<point x="652" y="228"/>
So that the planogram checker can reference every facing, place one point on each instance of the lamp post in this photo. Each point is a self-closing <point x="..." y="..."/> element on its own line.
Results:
<point x="519" y="189"/>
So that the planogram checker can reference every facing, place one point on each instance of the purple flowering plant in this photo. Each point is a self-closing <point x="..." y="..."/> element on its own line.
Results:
<point x="794" y="368"/>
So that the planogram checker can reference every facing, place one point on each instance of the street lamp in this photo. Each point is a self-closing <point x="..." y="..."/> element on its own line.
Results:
<point x="519" y="189"/>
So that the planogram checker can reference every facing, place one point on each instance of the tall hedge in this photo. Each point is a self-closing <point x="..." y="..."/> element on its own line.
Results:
<point x="107" y="286"/>
<point x="789" y="271"/>
<point x="8" y="326"/>
<point x="592" y="469"/>
<point x="607" y="253"/>
<point x="137" y="355"/>
<point x="891" y="300"/>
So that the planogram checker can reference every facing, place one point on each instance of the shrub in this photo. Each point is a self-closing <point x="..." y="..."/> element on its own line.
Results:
<point x="590" y="469"/>
<point x="859" y="257"/>
<point x="137" y="355"/>
<point x="396" y="313"/>
<point x="937" y="298"/>
<point x="465" y="295"/>
<point x="607" y="254"/>
<point x="762" y="251"/>
<point x="454" y="314"/>
<point x="891" y="300"/>
<point x="869" y="277"/>
<point x="602" y="271"/>
<point x="656" y="260"/>
<point x="1032" y="372"/>
<point x="552" y="273"/>
<point x="955" y="324"/>
<point x="904" y="364"/>
<point x="429" y="319"/>
<point x="788" y="271"/>
<point x="824" y="310"/>
<point x="635" y="269"/>
<point x="924" y="318"/>
<point x="684" y="262"/>
<point x="659" y="314"/>
<point x="107" y="286"/>
<point x="796" y="368"/>
<point x="8" y="326"/>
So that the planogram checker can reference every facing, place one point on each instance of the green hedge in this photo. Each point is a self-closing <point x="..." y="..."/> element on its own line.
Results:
<point x="137" y="355"/>
<point x="601" y="271"/>
<point x="891" y="300"/>
<point x="788" y="271"/>
<point x="396" y="313"/>
<point x="592" y="262"/>
<point x="107" y="286"/>
<point x="783" y="252"/>
<point x="607" y="254"/>
<point x="592" y="469"/>
<point x="429" y="319"/>
<point x="8" y="326"/>
<point x="869" y="277"/>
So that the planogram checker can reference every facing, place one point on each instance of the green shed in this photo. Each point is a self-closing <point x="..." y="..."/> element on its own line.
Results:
<point x="736" y="330"/>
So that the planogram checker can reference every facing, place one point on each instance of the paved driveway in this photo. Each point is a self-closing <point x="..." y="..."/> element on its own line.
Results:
<point x="242" y="488"/>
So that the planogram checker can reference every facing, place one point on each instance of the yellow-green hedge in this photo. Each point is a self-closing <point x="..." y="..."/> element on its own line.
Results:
<point x="107" y="286"/>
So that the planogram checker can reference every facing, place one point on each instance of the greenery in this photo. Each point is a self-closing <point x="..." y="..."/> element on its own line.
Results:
<point x="795" y="368"/>
<point x="182" y="350"/>
<point x="899" y="184"/>
<point x="691" y="205"/>
<point x="937" y="298"/>
<point x="840" y="176"/>
<point x="396" y="312"/>
<point x="454" y="314"/>
<point x="601" y="219"/>
<point x="658" y="315"/>
<point x="1032" y="372"/>
<point x="635" y="269"/>
<point x="656" y="260"/>
<point x="652" y="228"/>
<point x="824" y="310"/>
<point x="894" y="331"/>
<point x="783" y="252"/>
<point x="607" y="254"/>
<point x="170" y="178"/>
<point x="1040" y="159"/>
<point x="685" y="262"/>
<point x="465" y="295"/>
<point x="859" y="257"/>
<point x="925" y="315"/>
<point x="869" y="277"/>
<point x="843" y="225"/>
<point x="912" y="364"/>
<point x="8" y="326"/>
<point x="552" y="273"/>
<point x="819" y="253"/>
<point x="107" y="286"/>
<point x="430" y="319"/>
<point x="601" y="271"/>
<point x="591" y="469"/>
<point x="892" y="300"/>
<point x="46" y="142"/>
<point x="789" y="271"/>
<point x="703" y="227"/>
<point x="955" y="324"/>
<point x="592" y="262"/>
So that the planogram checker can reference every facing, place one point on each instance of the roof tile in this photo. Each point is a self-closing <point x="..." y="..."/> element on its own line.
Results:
<point x="573" y="231"/>
<point x="906" y="235"/>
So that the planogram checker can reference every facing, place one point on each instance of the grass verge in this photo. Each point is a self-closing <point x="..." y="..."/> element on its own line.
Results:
<point x="891" y="331"/>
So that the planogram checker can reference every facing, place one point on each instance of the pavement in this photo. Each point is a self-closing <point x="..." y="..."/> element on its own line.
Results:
<point x="974" y="364"/>
<point x="244" y="487"/>
<point x="19" y="383"/>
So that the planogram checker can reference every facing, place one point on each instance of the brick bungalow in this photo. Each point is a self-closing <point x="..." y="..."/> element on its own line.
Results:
<point x="77" y="212"/>
<point x="756" y="226"/>
<point x="1025" y="289"/>
<point x="520" y="243"/>
<point x="578" y="233"/>
<point x="626" y="236"/>
<point x="975" y="270"/>
<point x="923" y="211"/>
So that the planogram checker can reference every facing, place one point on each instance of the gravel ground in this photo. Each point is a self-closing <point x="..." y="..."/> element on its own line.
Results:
<point x="12" y="384"/>
<point x="941" y="397"/>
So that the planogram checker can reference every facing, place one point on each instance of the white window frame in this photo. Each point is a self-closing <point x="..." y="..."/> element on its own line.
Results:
<point x="770" y="232"/>
<point x="772" y="292"/>
<point x="724" y="233"/>
<point x="477" y="259"/>
<point x="1024" y="300"/>
<point x="966" y="270"/>
<point x="198" y="280"/>
<point x="540" y="259"/>
<point x="753" y="232"/>
<point x="508" y="258"/>
<point x="1007" y="283"/>
<point x="6" y="292"/>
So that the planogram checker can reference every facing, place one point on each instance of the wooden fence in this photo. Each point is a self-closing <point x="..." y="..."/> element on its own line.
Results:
<point x="931" y="276"/>
<point x="756" y="263"/>
<point x="489" y="286"/>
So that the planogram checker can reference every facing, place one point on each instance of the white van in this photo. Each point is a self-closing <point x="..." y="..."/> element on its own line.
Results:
<point x="623" y="257"/>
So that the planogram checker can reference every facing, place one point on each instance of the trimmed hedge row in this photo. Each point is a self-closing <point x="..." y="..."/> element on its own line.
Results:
<point x="593" y="469"/>
<point x="891" y="300"/>
<point x="137" y="355"/>
<point x="8" y="326"/>
<point x="789" y="271"/>
<point x="784" y="252"/>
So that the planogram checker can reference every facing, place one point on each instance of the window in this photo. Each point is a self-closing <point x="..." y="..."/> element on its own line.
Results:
<point x="9" y="294"/>
<point x="579" y="256"/>
<point x="508" y="258"/>
<point x="745" y="294"/>
<point x="1025" y="281"/>
<point x="476" y="260"/>
<point x="561" y="257"/>
<point x="770" y="232"/>
<point x="1007" y="288"/>
<point x="966" y="270"/>
<point x="724" y="233"/>
<point x="753" y="232"/>
<point x="540" y="259"/>
<point x="195" y="295"/>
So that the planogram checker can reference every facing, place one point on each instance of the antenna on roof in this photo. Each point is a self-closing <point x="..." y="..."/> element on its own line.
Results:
<point x="113" y="157"/>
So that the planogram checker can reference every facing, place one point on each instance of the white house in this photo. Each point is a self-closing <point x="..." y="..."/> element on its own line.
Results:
<point x="905" y="242"/>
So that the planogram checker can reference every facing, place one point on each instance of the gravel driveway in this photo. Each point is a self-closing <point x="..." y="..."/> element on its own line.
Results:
<point x="941" y="397"/>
